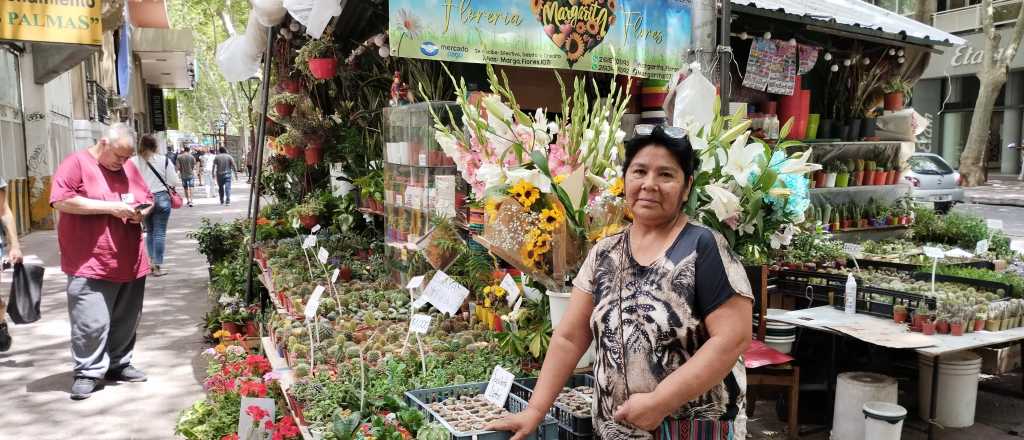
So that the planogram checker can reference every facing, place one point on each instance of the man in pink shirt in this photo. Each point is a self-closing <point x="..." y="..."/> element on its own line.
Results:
<point x="102" y="198"/>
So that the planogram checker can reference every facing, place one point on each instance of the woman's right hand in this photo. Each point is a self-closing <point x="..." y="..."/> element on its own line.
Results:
<point x="521" y="424"/>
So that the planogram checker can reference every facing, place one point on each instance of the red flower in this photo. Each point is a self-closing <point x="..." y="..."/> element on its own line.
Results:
<point x="258" y="365"/>
<point x="233" y="436"/>
<point x="256" y="413"/>
<point x="253" y="389"/>
<point x="285" y="429"/>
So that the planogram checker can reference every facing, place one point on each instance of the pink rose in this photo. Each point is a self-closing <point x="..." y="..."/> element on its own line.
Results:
<point x="550" y="30"/>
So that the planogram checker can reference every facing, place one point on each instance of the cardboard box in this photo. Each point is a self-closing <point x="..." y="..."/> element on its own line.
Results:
<point x="1000" y="360"/>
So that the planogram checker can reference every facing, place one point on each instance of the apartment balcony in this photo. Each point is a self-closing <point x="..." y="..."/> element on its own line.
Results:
<point x="968" y="19"/>
<point x="97" y="100"/>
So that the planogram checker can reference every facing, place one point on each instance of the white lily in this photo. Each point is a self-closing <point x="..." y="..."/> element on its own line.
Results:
<point x="724" y="203"/>
<point x="497" y="108"/>
<point x="798" y="164"/>
<point x="742" y="160"/>
<point x="699" y="144"/>
<point x="535" y="177"/>
<point x="448" y="143"/>
<point x="491" y="175"/>
<point x="783" y="237"/>
<point x="780" y="192"/>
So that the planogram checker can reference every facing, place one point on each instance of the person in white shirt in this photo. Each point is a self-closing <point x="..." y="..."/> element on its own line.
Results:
<point x="152" y="164"/>
<point x="211" y="185"/>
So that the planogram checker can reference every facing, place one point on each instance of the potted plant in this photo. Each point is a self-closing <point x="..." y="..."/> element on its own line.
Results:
<point x="881" y="175"/>
<point x="819" y="178"/>
<point x="290" y="85"/>
<point x="857" y="179"/>
<point x="845" y="215"/>
<point x="284" y="103"/>
<point x="979" y="321"/>
<point x="292" y="143"/>
<point x="869" y="172"/>
<point x="308" y="212"/>
<point x="317" y="58"/>
<point x="899" y="313"/>
<point x="927" y="325"/>
<point x="956" y="326"/>
<point x="842" y="175"/>
<point x="314" y="151"/>
<point x="897" y="90"/>
<point x="942" y="324"/>
<point x="830" y="175"/>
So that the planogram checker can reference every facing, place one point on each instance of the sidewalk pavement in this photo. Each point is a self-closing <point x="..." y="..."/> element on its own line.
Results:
<point x="36" y="374"/>
<point x="1001" y="189"/>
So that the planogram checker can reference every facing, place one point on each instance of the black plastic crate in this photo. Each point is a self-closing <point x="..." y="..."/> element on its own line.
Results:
<point x="831" y="288"/>
<point x="988" y="286"/>
<point x="906" y="267"/>
<point x="419" y="399"/>
<point x="565" y="434"/>
<point x="580" y="426"/>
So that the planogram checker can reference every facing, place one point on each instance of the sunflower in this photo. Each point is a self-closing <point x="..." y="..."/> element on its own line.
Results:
<point x="593" y="28"/>
<point x="551" y="219"/>
<point x="559" y="179"/>
<point x="491" y="209"/>
<point x="581" y="27"/>
<point x="529" y="254"/>
<point x="525" y="193"/>
<point x="575" y="53"/>
<point x="617" y="186"/>
<point x="542" y="244"/>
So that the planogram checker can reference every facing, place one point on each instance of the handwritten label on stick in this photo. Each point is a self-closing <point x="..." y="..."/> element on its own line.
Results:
<point x="499" y="386"/>
<point x="853" y="250"/>
<point x="415" y="283"/>
<point x="445" y="293"/>
<point x="315" y="229"/>
<point x="309" y="242"/>
<point x="419" y="324"/>
<point x="934" y="252"/>
<point x="334" y="275"/>
<point x="314" y="302"/>
<point x="981" y="247"/>
<point x="322" y="255"/>
<point x="511" y="289"/>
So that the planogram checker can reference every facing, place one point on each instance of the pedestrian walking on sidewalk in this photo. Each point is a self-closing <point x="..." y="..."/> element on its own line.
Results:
<point x="8" y="241"/>
<point x="207" y="160"/>
<point x="224" y="168"/>
<point x="186" y="165"/>
<point x="103" y="198"/>
<point x="161" y="178"/>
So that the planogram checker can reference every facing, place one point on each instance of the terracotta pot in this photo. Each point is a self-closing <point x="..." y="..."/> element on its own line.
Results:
<point x="323" y="68"/>
<point x="292" y="151"/>
<point x="819" y="179"/>
<point x="942" y="326"/>
<point x="862" y="223"/>
<point x="309" y="221"/>
<point x="291" y="85"/>
<point x="899" y="316"/>
<point x="251" y="330"/>
<point x="869" y="177"/>
<point x="846" y="224"/>
<point x="979" y="325"/>
<point x="231" y="327"/>
<point x="284" y="109"/>
<point x="894" y="101"/>
<point x="345" y="273"/>
<point x="880" y="177"/>
<point x="928" y="328"/>
<point x="857" y="179"/>
<point x="956" y="329"/>
<point x="313" y="155"/>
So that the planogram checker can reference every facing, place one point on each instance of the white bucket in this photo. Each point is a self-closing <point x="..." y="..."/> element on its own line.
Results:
<point x="782" y="344"/>
<point x="559" y="304"/>
<point x="883" y="421"/>
<point x="853" y="390"/>
<point x="958" y="388"/>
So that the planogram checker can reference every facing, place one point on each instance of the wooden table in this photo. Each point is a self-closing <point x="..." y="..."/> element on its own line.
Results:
<point x="824" y="318"/>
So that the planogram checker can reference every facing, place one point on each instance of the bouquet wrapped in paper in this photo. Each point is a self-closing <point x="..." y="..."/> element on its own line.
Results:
<point x="547" y="186"/>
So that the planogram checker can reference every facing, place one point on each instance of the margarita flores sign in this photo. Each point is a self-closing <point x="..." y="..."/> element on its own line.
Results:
<point x="646" y="38"/>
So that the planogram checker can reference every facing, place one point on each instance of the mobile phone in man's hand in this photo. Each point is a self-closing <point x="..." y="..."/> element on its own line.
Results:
<point x="142" y="207"/>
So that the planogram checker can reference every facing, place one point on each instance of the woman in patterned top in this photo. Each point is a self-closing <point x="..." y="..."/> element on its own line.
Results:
<point x="669" y="305"/>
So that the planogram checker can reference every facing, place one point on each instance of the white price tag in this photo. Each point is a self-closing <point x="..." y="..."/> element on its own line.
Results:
<point x="314" y="302"/>
<point x="1017" y="246"/>
<point x="994" y="224"/>
<point x="334" y="275"/>
<point x="532" y="294"/>
<point x="981" y="247"/>
<point x="445" y="293"/>
<point x="934" y="252"/>
<point x="309" y="242"/>
<point x="511" y="289"/>
<point x="420" y="302"/>
<point x="419" y="324"/>
<point x="519" y="304"/>
<point x="295" y="223"/>
<point x="499" y="386"/>
<point x="444" y="189"/>
<point x="853" y="250"/>
<point x="415" y="283"/>
<point x="322" y="255"/>
<point x="315" y="229"/>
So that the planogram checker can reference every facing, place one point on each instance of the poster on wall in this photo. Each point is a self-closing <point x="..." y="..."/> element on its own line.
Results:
<point x="644" y="38"/>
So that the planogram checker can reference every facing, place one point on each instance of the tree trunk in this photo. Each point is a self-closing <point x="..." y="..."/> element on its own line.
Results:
<point x="972" y="166"/>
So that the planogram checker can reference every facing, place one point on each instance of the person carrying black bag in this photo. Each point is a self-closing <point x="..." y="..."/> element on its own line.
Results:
<point x="8" y="240"/>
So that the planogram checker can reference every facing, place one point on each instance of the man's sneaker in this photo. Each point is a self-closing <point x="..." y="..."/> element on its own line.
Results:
<point x="83" y="388"/>
<point x="5" y="337"/>
<point x="126" y="374"/>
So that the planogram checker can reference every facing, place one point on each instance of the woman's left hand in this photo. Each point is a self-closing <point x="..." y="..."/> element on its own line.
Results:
<point x="643" y="411"/>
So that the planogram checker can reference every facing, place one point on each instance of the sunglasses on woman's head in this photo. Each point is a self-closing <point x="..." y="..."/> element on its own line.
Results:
<point x="670" y="131"/>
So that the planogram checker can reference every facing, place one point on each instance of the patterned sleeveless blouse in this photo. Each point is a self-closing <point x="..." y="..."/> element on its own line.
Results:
<point x="649" y="320"/>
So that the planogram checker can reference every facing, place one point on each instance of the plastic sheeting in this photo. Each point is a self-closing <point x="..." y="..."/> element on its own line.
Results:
<point x="268" y="12"/>
<point x="239" y="56"/>
<point x="314" y="14"/>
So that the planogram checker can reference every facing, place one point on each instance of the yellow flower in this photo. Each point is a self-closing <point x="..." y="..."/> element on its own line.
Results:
<point x="529" y="254"/>
<point x="492" y="209"/>
<point x="487" y="301"/>
<point x="220" y="348"/>
<point x="498" y="291"/>
<point x="525" y="193"/>
<point x="617" y="186"/>
<point x="559" y="179"/>
<point x="542" y="243"/>
<point x="551" y="218"/>
<point x="221" y="334"/>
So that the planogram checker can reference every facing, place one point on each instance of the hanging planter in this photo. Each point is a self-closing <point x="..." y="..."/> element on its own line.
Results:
<point x="323" y="68"/>
<point x="284" y="104"/>
<point x="316" y="58"/>
<point x="291" y="143"/>
<point x="291" y="85"/>
<point x="314" y="152"/>
<point x="309" y="221"/>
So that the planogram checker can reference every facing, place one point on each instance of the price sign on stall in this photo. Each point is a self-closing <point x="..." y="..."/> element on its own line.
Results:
<point x="853" y="250"/>
<point x="445" y="293"/>
<point x="934" y="252"/>
<point x="314" y="302"/>
<point x="419" y="324"/>
<point x="322" y="255"/>
<point x="511" y="289"/>
<point x="499" y="386"/>
<point x="309" y="242"/>
<point x="315" y="229"/>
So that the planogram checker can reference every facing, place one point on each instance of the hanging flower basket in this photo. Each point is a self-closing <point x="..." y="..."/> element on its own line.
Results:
<point x="323" y="68"/>
<point x="292" y="151"/>
<point x="313" y="155"/>
<point x="291" y="85"/>
<point x="309" y="221"/>
<point x="284" y="110"/>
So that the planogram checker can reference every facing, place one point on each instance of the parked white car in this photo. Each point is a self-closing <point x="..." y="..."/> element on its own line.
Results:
<point x="934" y="181"/>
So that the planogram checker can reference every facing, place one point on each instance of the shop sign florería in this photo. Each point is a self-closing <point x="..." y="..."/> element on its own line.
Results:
<point x="52" y="21"/>
<point x="646" y="38"/>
